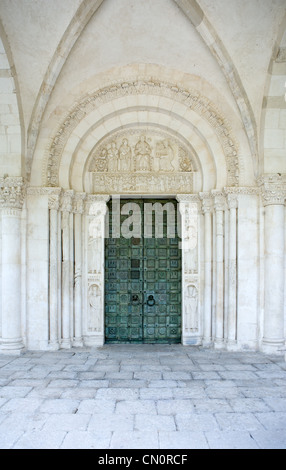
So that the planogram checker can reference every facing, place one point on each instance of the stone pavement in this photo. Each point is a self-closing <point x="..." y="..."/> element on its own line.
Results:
<point x="142" y="396"/>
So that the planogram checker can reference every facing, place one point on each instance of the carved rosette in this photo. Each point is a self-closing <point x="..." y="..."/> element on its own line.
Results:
<point x="12" y="192"/>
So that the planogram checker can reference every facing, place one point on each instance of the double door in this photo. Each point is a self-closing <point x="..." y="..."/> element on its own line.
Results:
<point x="143" y="281"/>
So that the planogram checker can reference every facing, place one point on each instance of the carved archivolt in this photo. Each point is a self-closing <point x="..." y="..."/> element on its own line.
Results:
<point x="190" y="98"/>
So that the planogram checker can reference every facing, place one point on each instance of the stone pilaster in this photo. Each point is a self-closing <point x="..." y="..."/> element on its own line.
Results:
<point x="12" y="193"/>
<point x="78" y="210"/>
<point x="232" y="204"/>
<point x="95" y="214"/>
<point x="207" y="208"/>
<point x="219" y="206"/>
<point x="189" y="206"/>
<point x="67" y="267"/>
<point x="54" y="205"/>
<point x="273" y="191"/>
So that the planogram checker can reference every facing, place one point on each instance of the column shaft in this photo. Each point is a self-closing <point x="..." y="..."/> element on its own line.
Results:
<point x="11" y="280"/>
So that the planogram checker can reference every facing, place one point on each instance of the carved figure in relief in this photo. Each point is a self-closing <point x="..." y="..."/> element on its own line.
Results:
<point x="185" y="161"/>
<point x="125" y="155"/>
<point x="112" y="157"/>
<point x="191" y="309"/>
<point x="94" y="298"/>
<point x="100" y="163"/>
<point x="165" y="154"/>
<point x="143" y="155"/>
<point x="94" y="246"/>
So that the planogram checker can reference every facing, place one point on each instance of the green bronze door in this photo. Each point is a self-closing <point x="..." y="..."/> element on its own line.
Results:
<point x="143" y="280"/>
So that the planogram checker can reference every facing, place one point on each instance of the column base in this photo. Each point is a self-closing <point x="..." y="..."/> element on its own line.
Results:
<point x="66" y="344"/>
<point x="272" y="346"/>
<point x="192" y="340"/>
<point x="77" y="343"/>
<point x="207" y="343"/>
<point x="232" y="346"/>
<point x="94" y="341"/>
<point x="11" y="347"/>
<point x="54" y="346"/>
<point x="219" y="344"/>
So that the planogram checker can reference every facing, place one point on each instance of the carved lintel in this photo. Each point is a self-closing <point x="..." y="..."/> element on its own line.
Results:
<point x="12" y="192"/>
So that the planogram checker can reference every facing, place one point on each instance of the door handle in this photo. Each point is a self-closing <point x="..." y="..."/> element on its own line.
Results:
<point x="151" y="301"/>
<point x="135" y="299"/>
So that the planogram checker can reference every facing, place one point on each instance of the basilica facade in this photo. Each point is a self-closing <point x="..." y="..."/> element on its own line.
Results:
<point x="143" y="173"/>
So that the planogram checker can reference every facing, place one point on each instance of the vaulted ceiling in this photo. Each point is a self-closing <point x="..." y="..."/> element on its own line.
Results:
<point x="57" y="51"/>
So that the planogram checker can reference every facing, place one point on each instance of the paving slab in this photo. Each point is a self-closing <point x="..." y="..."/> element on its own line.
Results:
<point x="142" y="396"/>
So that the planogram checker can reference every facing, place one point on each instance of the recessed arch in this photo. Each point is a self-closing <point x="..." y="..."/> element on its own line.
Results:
<point x="198" y="108"/>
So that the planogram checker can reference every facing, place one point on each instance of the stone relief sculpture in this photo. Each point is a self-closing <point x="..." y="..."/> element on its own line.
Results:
<point x="125" y="156"/>
<point x="143" y="155"/>
<point x="191" y="309"/>
<point x="165" y="154"/>
<point x="95" y="308"/>
<point x="136" y="161"/>
<point x="112" y="153"/>
<point x="95" y="246"/>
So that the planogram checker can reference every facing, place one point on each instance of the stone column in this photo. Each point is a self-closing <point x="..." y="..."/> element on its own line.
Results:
<point x="273" y="196"/>
<point x="78" y="239"/>
<point x="207" y="207"/>
<point x="11" y="201"/>
<point x="232" y="273"/>
<point x="96" y="210"/>
<point x="66" y="208"/>
<point x="54" y="204"/>
<point x="219" y="205"/>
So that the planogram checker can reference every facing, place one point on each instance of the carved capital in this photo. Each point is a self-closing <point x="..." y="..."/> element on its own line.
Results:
<point x="232" y="201"/>
<point x="96" y="204"/>
<point x="78" y="203"/>
<point x="207" y="203"/>
<point x="273" y="189"/>
<point x="219" y="199"/>
<point x="12" y="192"/>
<point x="66" y="202"/>
<point x="54" y="199"/>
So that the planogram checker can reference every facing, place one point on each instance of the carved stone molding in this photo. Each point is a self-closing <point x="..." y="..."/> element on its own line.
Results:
<point x="273" y="189"/>
<point x="190" y="98"/>
<point x="12" y="192"/>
